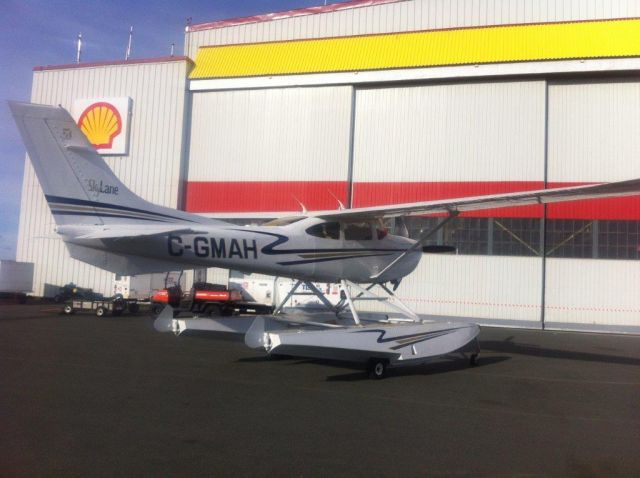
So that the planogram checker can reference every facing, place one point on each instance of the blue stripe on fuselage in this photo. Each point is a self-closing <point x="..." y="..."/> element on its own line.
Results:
<point x="83" y="202"/>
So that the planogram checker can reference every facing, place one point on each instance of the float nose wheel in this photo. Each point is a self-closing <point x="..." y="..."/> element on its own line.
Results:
<point x="377" y="368"/>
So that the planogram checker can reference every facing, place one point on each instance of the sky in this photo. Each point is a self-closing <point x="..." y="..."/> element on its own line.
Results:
<point x="43" y="32"/>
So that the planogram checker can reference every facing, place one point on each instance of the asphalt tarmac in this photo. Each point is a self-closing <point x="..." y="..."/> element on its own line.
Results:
<point x="83" y="396"/>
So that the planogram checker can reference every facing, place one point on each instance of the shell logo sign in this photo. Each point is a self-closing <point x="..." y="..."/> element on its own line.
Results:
<point x="105" y="123"/>
<point x="100" y="123"/>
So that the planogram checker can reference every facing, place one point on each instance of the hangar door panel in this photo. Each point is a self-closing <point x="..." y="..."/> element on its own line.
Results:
<point x="452" y="140"/>
<point x="481" y="133"/>
<point x="593" y="247"/>
<point x="260" y="150"/>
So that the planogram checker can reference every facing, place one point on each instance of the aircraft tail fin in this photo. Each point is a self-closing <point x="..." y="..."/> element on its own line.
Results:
<point x="79" y="186"/>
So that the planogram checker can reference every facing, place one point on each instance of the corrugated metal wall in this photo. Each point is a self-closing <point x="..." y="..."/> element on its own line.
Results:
<point x="593" y="131"/>
<point x="450" y="135"/>
<point x="152" y="168"/>
<point x="450" y="132"/>
<point x="482" y="133"/>
<point x="254" y="149"/>
<point x="270" y="135"/>
<point x="413" y="15"/>
<point x="487" y="289"/>
<point x="593" y="136"/>
<point x="425" y="137"/>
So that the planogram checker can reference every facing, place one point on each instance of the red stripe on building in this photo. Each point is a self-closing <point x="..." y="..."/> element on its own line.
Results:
<point x="264" y="196"/>
<point x="268" y="196"/>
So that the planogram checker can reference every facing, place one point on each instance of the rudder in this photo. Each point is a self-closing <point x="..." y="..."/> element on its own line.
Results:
<point x="79" y="186"/>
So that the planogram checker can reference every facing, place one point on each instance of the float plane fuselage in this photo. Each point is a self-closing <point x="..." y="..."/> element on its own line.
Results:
<point x="103" y="223"/>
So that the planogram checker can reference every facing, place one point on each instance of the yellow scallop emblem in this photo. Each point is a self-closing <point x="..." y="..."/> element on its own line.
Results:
<point x="101" y="123"/>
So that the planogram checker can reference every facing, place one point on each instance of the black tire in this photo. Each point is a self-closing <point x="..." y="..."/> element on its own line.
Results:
<point x="377" y="368"/>
<point x="474" y="360"/>
<point x="68" y="309"/>
<point x="101" y="311"/>
<point x="156" y="309"/>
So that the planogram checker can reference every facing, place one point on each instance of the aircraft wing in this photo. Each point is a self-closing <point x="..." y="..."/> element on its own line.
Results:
<point x="475" y="203"/>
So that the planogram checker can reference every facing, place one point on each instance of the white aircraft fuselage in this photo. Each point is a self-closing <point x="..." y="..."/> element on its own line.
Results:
<point x="285" y="251"/>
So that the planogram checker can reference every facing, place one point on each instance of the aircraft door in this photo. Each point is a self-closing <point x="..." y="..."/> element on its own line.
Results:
<point x="326" y="246"/>
<point x="360" y="241"/>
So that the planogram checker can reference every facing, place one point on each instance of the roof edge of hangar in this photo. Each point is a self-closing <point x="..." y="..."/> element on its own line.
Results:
<point x="298" y="12"/>
<point x="161" y="59"/>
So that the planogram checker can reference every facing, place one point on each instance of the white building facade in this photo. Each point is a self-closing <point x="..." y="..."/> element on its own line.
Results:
<point x="382" y="101"/>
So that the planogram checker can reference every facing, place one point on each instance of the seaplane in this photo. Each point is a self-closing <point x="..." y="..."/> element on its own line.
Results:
<point x="103" y="223"/>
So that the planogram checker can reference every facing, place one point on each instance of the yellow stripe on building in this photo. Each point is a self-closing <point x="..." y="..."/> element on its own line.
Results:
<point x="550" y="41"/>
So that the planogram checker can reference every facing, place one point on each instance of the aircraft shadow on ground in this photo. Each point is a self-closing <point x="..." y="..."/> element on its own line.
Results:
<point x="446" y="365"/>
<point x="509" y="346"/>
<point x="424" y="369"/>
<point x="210" y="335"/>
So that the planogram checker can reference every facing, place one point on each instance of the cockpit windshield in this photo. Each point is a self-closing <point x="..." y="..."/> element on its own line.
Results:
<point x="349" y="231"/>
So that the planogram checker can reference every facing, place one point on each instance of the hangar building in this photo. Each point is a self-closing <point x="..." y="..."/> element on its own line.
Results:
<point x="382" y="101"/>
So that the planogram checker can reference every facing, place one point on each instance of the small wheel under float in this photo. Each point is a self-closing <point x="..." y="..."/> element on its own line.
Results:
<point x="377" y="368"/>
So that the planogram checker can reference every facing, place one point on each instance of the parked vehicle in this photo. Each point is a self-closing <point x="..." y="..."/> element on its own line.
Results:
<point x="208" y="299"/>
<point x="71" y="291"/>
<point x="99" y="307"/>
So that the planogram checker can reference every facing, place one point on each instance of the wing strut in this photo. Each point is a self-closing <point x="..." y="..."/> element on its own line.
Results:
<point x="350" y="293"/>
<point x="314" y="290"/>
<point x="365" y="294"/>
<point x="280" y="306"/>
<point x="452" y="214"/>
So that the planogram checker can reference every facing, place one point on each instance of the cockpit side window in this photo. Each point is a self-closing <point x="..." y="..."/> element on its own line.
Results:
<point x="358" y="231"/>
<point x="325" y="230"/>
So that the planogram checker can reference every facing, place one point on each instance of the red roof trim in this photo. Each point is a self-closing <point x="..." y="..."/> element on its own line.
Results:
<point x="267" y="17"/>
<point x="162" y="59"/>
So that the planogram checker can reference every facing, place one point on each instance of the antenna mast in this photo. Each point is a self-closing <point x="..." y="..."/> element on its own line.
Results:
<point x="128" y="52"/>
<point x="79" y="48"/>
